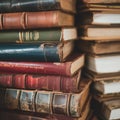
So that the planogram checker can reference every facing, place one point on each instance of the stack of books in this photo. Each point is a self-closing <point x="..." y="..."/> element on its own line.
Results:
<point x="40" y="70"/>
<point x="98" y="24"/>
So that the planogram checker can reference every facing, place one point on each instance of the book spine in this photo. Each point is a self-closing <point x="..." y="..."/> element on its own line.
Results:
<point x="32" y="36"/>
<point x="27" y="20"/>
<point x="36" y="5"/>
<point x="43" y="52"/>
<point x="37" y="101"/>
<point x="36" y="68"/>
<point x="101" y="1"/>
<point x="41" y="82"/>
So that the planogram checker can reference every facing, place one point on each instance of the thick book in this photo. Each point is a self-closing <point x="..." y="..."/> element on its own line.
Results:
<point x="30" y="20"/>
<point x="37" y="52"/>
<point x="69" y="104"/>
<point x="100" y="1"/>
<point x="107" y="86"/>
<point x="37" y="5"/>
<point x="99" y="18"/>
<point x="99" y="33"/>
<point x="42" y="82"/>
<point x="38" y="36"/>
<point x="98" y="47"/>
<point x="74" y="63"/>
<point x="103" y="64"/>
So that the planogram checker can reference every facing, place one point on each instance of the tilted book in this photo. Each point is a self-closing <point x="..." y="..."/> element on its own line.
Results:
<point x="41" y="82"/>
<point x="37" y="52"/>
<point x="98" y="47"/>
<point x="30" y="20"/>
<point x="103" y="64"/>
<point x="74" y="63"/>
<point x="99" y="33"/>
<point x="69" y="104"/>
<point x="37" y="5"/>
<point x="38" y="36"/>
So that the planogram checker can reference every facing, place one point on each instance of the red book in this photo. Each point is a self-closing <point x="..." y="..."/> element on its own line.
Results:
<point x="68" y="68"/>
<point x="41" y="82"/>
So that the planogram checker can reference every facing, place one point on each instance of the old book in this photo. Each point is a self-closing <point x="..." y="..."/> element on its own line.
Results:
<point x="99" y="33"/>
<point x="69" y="104"/>
<point x="99" y="18"/>
<point x="37" y="52"/>
<point x="98" y="47"/>
<point x="37" y="5"/>
<point x="74" y="63"/>
<point x="103" y="64"/>
<point x="29" y="20"/>
<point x="100" y="1"/>
<point x="107" y="86"/>
<point x="41" y="82"/>
<point x="41" y="35"/>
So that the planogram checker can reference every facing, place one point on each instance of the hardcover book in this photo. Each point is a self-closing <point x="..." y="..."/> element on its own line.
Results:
<point x="37" y="5"/>
<point x="41" y="35"/>
<point x="99" y="33"/>
<point x="98" y="47"/>
<point x="69" y="104"/>
<point x="74" y="63"/>
<point x="100" y="1"/>
<point x="30" y="20"/>
<point x="42" y="82"/>
<point x="37" y="52"/>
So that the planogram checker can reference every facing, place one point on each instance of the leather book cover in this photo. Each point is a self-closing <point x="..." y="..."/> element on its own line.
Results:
<point x="37" y="52"/>
<point x="74" y="63"/>
<point x="41" y="82"/>
<point x="30" y="20"/>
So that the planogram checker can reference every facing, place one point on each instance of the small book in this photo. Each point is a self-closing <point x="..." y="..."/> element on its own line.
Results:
<point x="107" y="86"/>
<point x="98" y="47"/>
<point x="69" y="104"/>
<point x="100" y="1"/>
<point x="37" y="52"/>
<point x="99" y="33"/>
<point x="30" y="20"/>
<point x="73" y="63"/>
<point x="103" y="64"/>
<point x="41" y="82"/>
<point x="99" y="18"/>
<point x="38" y="36"/>
<point x="37" y="5"/>
<point x="111" y="109"/>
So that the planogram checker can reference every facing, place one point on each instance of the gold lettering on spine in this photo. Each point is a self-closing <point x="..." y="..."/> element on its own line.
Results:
<point x="27" y="38"/>
<point x="20" y="40"/>
<point x="36" y="35"/>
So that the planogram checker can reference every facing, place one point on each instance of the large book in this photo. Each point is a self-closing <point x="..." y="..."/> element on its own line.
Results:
<point x="37" y="5"/>
<point x="69" y="104"/>
<point x="42" y="82"/>
<point x="29" y="20"/>
<point x="103" y="64"/>
<point x="74" y="63"/>
<point x="37" y="52"/>
<point x="99" y="33"/>
<point x="99" y="18"/>
<point x="41" y="35"/>
<point x="107" y="86"/>
<point x="98" y="47"/>
<point x="100" y="1"/>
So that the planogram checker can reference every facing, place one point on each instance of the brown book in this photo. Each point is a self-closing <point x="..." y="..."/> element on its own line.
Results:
<point x="100" y="1"/>
<point x="98" y="47"/>
<point x="69" y="104"/>
<point x="99" y="33"/>
<point x="28" y="20"/>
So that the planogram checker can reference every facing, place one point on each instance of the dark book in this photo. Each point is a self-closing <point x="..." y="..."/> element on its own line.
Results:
<point x="29" y="20"/>
<point x="37" y="5"/>
<point x="99" y="33"/>
<point x="74" y="63"/>
<point x="98" y="47"/>
<point x="42" y="82"/>
<point x="100" y="1"/>
<point x="69" y="104"/>
<point x="37" y="52"/>
<point x="41" y="35"/>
